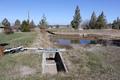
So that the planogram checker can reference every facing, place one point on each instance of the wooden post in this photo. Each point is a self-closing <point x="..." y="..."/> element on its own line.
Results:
<point x="1" y="51"/>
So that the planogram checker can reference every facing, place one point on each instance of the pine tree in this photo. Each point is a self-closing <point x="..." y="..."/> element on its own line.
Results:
<point x="17" y="25"/>
<point x="116" y="24"/>
<point x="76" y="19"/>
<point x="32" y="25"/>
<point x="57" y="26"/>
<point x="7" y="25"/>
<point x="25" y="26"/>
<point x="118" y="20"/>
<point x="101" y="21"/>
<point x="92" y="23"/>
<point x="43" y="23"/>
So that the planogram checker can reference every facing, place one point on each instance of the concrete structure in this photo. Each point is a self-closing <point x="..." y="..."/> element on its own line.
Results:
<point x="58" y="26"/>
<point x="48" y="63"/>
<point x="52" y="63"/>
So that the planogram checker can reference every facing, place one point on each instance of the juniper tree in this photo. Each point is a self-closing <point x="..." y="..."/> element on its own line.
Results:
<point x="17" y="24"/>
<point x="76" y="18"/>
<point x="7" y="25"/>
<point x="43" y="23"/>
<point x="116" y="24"/>
<point x="57" y="26"/>
<point x="32" y="24"/>
<point x="101" y="21"/>
<point x="92" y="23"/>
<point x="25" y="26"/>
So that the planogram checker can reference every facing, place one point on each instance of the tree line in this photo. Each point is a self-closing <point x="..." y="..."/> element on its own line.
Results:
<point x="96" y="22"/>
<point x="24" y="26"/>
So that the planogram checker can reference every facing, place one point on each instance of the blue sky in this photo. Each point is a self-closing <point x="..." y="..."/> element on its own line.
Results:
<point x="57" y="11"/>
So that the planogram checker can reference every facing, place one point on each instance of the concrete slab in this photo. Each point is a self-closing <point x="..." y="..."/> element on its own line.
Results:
<point x="48" y="65"/>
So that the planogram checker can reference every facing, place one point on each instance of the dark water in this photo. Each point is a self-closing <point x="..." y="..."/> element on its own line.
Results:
<point x="69" y="42"/>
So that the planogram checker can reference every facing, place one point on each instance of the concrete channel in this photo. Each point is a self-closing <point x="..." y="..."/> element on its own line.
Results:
<point x="52" y="63"/>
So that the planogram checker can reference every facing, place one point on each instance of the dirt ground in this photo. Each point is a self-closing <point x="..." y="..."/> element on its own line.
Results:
<point x="111" y="33"/>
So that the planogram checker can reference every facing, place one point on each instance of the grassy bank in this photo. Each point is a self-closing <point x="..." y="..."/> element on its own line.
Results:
<point x="94" y="63"/>
<point x="18" y="39"/>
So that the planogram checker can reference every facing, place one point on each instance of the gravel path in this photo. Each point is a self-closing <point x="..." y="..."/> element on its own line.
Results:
<point x="42" y="40"/>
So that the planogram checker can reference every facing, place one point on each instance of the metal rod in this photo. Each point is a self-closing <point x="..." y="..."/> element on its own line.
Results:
<point x="20" y="49"/>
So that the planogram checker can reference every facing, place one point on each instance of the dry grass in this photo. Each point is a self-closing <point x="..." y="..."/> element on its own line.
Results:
<point x="101" y="63"/>
<point x="19" y="66"/>
<point x="110" y="33"/>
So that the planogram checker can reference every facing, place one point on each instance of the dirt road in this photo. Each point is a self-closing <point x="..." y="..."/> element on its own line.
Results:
<point x="41" y="41"/>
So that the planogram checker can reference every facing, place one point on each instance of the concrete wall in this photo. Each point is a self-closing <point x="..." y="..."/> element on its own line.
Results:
<point x="1" y="30"/>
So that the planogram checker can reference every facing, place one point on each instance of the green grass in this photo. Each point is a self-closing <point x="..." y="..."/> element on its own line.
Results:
<point x="18" y="39"/>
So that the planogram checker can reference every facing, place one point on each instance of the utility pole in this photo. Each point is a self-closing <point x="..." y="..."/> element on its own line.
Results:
<point x="28" y="17"/>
